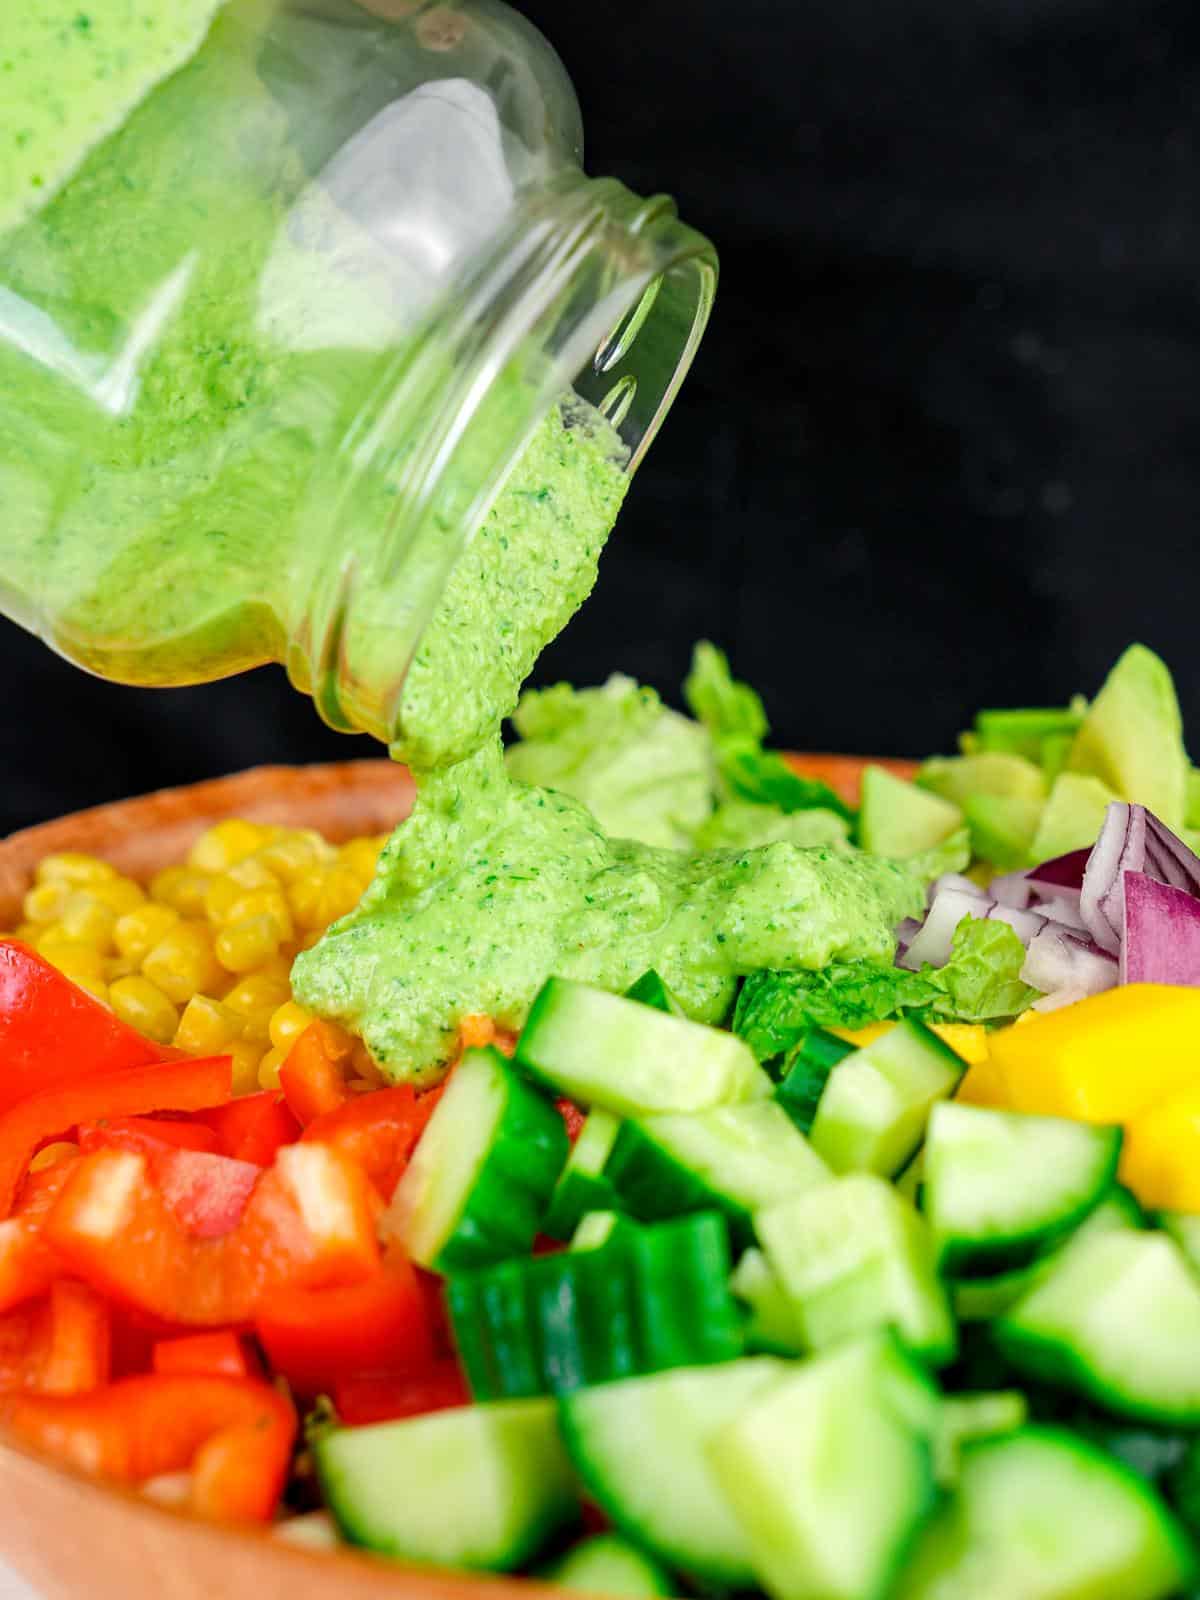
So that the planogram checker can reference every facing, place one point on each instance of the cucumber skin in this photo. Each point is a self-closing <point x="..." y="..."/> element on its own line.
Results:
<point x="648" y="1300"/>
<point x="574" y="1197"/>
<point x="652" y="1186"/>
<point x="512" y="1190"/>
<point x="806" y="1072"/>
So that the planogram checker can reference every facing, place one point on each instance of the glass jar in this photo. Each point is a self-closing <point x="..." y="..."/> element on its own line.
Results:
<point x="270" y="351"/>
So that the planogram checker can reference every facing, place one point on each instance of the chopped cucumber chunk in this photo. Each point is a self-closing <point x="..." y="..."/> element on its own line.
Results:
<point x="481" y="1178"/>
<point x="601" y="1049"/>
<point x="480" y="1486"/>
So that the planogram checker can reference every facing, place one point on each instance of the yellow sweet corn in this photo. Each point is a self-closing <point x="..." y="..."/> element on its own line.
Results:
<point x="288" y="1023"/>
<point x="1160" y="1158"/>
<point x="225" y="844"/>
<point x="181" y="888"/>
<point x="137" y="932"/>
<point x="206" y="1027"/>
<point x="74" y="868"/>
<point x="201" y="957"/>
<point x="144" y="1006"/>
<point x="184" y="963"/>
<point x="1104" y="1059"/>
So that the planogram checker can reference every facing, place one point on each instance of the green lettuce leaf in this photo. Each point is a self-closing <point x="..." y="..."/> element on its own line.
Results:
<point x="737" y="723"/>
<point x="644" y="771"/>
<point x="981" y="982"/>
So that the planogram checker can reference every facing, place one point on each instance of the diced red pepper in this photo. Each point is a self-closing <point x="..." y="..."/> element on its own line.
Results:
<point x="53" y="1032"/>
<point x="379" y="1130"/>
<point x="252" y="1127"/>
<point x="234" y="1435"/>
<point x="312" y="1336"/>
<point x="361" y="1398"/>
<point x="433" y="1293"/>
<point x="181" y="1085"/>
<point x="310" y="1221"/>
<point x="312" y="1075"/>
<point x="206" y="1194"/>
<point x="208" y="1355"/>
<point x="573" y="1118"/>
<point x="147" y="1134"/>
<point x="28" y="1262"/>
<point x="59" y="1345"/>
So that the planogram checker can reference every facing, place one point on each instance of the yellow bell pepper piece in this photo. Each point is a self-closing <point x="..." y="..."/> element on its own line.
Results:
<point x="982" y="1085"/>
<point x="969" y="1039"/>
<point x="1104" y="1059"/>
<point x="1160" y="1159"/>
<point x="861" y="1036"/>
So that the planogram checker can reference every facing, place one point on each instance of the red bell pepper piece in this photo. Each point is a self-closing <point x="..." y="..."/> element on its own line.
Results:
<point x="60" y="1345"/>
<point x="147" y="1134"/>
<point x="360" y="1398"/>
<point x="235" y="1436"/>
<point x="52" y="1031"/>
<point x="312" y="1075"/>
<point x="253" y="1127"/>
<point x="573" y="1118"/>
<point x="162" y="1086"/>
<point x="206" y="1194"/>
<point x="379" y="1130"/>
<point x="312" y="1336"/>
<point x="208" y="1355"/>
<point x="310" y="1220"/>
<point x="28" y="1262"/>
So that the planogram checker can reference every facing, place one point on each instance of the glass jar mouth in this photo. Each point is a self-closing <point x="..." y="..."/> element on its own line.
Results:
<point x="589" y="288"/>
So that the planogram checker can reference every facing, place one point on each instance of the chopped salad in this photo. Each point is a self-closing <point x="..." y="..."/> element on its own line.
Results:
<point x="885" y="1288"/>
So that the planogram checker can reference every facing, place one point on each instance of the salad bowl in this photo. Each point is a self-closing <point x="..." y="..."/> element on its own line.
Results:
<point x="71" y="1536"/>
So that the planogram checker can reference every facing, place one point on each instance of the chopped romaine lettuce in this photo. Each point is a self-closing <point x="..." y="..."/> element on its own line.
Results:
<point x="734" y="717"/>
<point x="643" y="770"/>
<point x="980" y="983"/>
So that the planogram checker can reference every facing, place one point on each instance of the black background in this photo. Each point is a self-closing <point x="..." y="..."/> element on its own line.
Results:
<point x="940" y="448"/>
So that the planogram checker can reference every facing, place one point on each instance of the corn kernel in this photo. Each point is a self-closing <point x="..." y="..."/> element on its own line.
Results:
<point x="246" y="1057"/>
<point x="242" y="945"/>
<point x="268" y="1068"/>
<point x="144" y="1006"/>
<point x="137" y="932"/>
<point x="361" y="856"/>
<point x="96" y="987"/>
<point x="120" y="895"/>
<point x="222" y="894"/>
<point x="119" y="967"/>
<point x="74" y="960"/>
<point x="88" y="919"/>
<point x="182" y="888"/>
<point x="52" y="1154"/>
<point x="295" y="852"/>
<point x="288" y="1023"/>
<point x="45" y="901"/>
<point x="322" y="896"/>
<point x="183" y="962"/>
<point x="28" y="931"/>
<point x="225" y="844"/>
<point x="206" y="1027"/>
<point x="69" y="866"/>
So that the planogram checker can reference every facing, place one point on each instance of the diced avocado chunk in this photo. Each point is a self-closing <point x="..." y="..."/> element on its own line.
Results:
<point x="1024" y="732"/>
<point x="1003" y="828"/>
<point x="1072" y="817"/>
<point x="1132" y="738"/>
<point x="898" y="819"/>
<point x="959" y="778"/>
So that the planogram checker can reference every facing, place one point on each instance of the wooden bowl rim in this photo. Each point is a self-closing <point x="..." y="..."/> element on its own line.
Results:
<point x="139" y="835"/>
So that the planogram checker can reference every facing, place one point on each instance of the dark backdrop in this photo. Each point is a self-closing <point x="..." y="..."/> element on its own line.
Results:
<point x="940" y="446"/>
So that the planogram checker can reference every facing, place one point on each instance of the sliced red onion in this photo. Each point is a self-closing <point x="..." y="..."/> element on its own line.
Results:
<point x="1061" y="875"/>
<point x="932" y="942"/>
<point x="1132" y="840"/>
<point x="1058" y="960"/>
<point x="956" y="880"/>
<point x="1025" y="924"/>
<point x="1064" y="909"/>
<point x="907" y="932"/>
<point x="1013" y="889"/>
<point x="1058" y="999"/>
<point x="1161" y="936"/>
